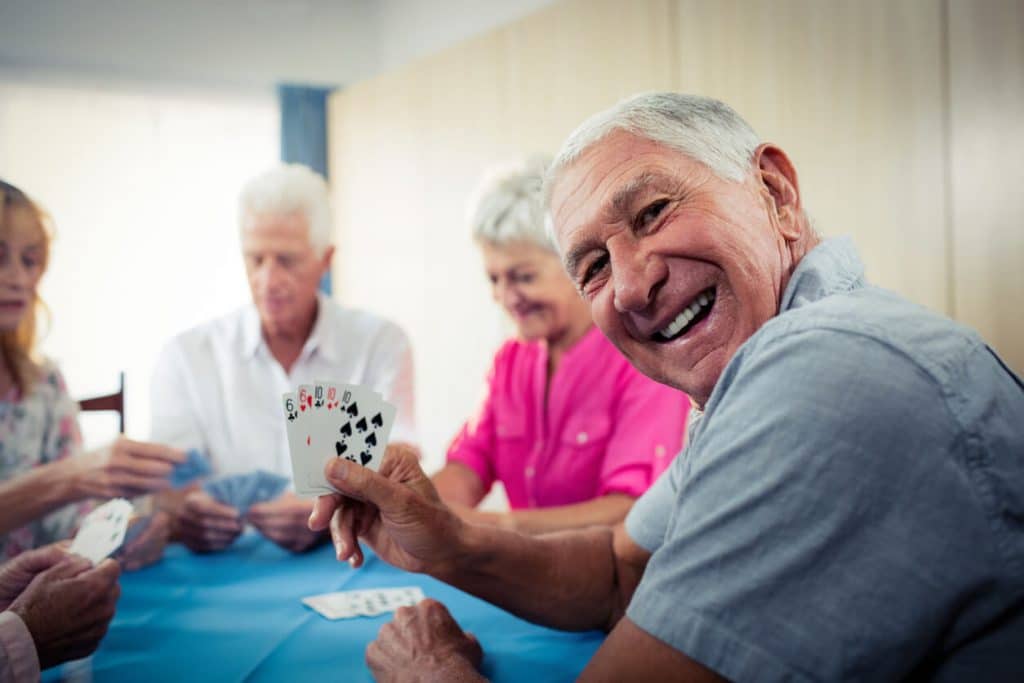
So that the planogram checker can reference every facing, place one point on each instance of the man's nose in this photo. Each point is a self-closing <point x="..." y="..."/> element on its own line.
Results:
<point x="636" y="276"/>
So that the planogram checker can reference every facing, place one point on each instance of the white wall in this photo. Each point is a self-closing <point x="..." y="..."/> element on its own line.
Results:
<point x="142" y="187"/>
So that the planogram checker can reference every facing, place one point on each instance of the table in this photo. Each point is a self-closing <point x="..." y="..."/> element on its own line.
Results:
<point x="237" y="615"/>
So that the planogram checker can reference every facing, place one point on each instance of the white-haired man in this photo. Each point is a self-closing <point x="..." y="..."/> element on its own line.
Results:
<point x="218" y="386"/>
<point x="849" y="503"/>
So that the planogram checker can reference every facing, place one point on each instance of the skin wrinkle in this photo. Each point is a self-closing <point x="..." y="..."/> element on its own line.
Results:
<point x="718" y="233"/>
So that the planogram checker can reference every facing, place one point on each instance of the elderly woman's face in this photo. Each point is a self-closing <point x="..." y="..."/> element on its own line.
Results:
<point x="22" y="261"/>
<point x="283" y="268"/>
<point x="679" y="266"/>
<point x="530" y="284"/>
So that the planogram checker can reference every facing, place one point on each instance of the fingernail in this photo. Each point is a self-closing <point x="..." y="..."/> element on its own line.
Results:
<point x="352" y="561"/>
<point x="339" y="549"/>
<point x="339" y="469"/>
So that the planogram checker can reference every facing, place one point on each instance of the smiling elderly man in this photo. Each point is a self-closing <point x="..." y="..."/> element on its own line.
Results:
<point x="849" y="504"/>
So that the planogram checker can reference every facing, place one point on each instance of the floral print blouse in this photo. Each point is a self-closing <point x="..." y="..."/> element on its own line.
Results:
<point x="37" y="429"/>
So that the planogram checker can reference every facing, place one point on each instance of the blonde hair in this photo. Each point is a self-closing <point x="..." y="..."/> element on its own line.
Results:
<point x="17" y="346"/>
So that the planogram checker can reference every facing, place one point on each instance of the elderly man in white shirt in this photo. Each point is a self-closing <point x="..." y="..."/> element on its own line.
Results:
<point x="218" y="387"/>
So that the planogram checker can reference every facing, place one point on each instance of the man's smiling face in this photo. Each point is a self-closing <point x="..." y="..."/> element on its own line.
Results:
<point x="678" y="265"/>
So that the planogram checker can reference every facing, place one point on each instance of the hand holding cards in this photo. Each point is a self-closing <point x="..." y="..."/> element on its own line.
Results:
<point x="340" y="420"/>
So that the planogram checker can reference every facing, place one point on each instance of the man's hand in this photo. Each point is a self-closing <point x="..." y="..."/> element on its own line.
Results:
<point x="124" y="469"/>
<point x="18" y="573"/>
<point x="147" y="547"/>
<point x="396" y="511"/>
<point x="68" y="607"/>
<point x="284" y="521"/>
<point x="204" y="525"/>
<point x="426" y="640"/>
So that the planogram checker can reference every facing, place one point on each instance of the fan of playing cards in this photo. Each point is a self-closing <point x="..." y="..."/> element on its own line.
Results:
<point x="340" y="420"/>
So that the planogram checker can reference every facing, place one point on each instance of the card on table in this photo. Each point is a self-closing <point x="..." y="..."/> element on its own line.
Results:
<point x="363" y="603"/>
<point x="103" y="530"/>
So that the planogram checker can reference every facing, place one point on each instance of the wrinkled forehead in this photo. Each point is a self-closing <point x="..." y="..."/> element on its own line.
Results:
<point x="598" y="186"/>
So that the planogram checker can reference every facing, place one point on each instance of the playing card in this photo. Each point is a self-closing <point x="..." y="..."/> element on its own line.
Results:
<point x="135" y="529"/>
<point x="364" y="603"/>
<point x="299" y="439"/>
<point x="241" y="491"/>
<point x="103" y="530"/>
<point x="362" y="435"/>
<point x="195" y="467"/>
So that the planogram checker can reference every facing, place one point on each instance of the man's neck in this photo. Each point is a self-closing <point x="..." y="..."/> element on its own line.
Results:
<point x="286" y="345"/>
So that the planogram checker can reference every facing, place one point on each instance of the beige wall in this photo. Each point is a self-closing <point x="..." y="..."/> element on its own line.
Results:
<point x="865" y="96"/>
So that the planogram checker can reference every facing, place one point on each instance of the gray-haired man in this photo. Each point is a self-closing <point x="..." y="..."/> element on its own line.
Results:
<point x="849" y="503"/>
<point x="218" y="386"/>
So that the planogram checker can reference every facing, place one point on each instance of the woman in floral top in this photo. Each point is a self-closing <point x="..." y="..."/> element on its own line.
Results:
<point x="45" y="480"/>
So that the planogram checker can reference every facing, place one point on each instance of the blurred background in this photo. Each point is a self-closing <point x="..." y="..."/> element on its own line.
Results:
<point x="136" y="122"/>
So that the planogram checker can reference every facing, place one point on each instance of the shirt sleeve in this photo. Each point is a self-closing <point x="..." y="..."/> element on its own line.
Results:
<point x="812" y="537"/>
<point x="473" y="446"/>
<point x="62" y="439"/>
<point x="649" y="422"/>
<point x="391" y="374"/>
<point x="18" y="658"/>
<point x="175" y="421"/>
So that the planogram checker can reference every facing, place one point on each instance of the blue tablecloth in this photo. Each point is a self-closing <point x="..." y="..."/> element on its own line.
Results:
<point x="237" y="615"/>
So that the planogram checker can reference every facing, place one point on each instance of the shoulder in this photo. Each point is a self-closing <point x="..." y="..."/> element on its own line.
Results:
<point x="50" y="381"/>
<point x="363" y="324"/>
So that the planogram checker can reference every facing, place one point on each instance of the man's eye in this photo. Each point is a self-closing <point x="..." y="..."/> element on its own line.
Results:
<point x="650" y="213"/>
<point x="594" y="269"/>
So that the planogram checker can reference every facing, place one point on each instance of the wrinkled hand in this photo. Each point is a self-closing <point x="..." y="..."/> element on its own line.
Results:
<point x="423" y="643"/>
<point x="396" y="511"/>
<point x="18" y="573"/>
<point x="124" y="469"/>
<point x="68" y="607"/>
<point x="204" y="525"/>
<point x="147" y="547"/>
<point x="284" y="521"/>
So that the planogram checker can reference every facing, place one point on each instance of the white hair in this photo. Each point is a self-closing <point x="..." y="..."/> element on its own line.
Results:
<point x="702" y="128"/>
<point x="508" y="205"/>
<point x="290" y="188"/>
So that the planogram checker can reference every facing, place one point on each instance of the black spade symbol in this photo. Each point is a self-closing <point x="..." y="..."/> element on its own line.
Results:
<point x="371" y="440"/>
<point x="365" y="457"/>
<point x="340" y="447"/>
<point x="377" y="421"/>
<point x="346" y="430"/>
<point x="361" y="425"/>
<point x="350" y="458"/>
<point x="353" y="409"/>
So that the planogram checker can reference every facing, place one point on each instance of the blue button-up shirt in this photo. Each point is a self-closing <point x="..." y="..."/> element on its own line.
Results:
<point x="850" y="505"/>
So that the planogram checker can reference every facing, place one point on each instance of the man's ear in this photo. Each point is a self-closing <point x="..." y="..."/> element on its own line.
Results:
<point x="778" y="178"/>
<point x="325" y="259"/>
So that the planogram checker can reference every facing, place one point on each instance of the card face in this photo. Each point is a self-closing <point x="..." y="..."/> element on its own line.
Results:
<point x="102" y="530"/>
<point x="364" y="603"/>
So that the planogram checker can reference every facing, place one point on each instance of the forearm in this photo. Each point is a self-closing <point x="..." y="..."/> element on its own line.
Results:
<point x="606" y="511"/>
<point x="32" y="495"/>
<point x="457" y="483"/>
<point x="565" y="580"/>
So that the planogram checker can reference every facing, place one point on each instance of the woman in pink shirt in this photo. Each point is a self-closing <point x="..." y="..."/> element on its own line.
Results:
<point x="571" y="429"/>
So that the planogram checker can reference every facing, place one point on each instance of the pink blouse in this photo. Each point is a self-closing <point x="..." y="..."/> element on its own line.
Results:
<point x="606" y="428"/>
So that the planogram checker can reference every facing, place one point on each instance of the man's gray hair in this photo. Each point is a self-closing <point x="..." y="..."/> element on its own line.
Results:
<point x="702" y="128"/>
<point x="508" y="205"/>
<point x="290" y="188"/>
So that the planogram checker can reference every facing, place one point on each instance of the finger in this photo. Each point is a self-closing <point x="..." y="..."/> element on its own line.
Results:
<point x="203" y="505"/>
<point x="143" y="467"/>
<point x="364" y="484"/>
<point x="131" y="481"/>
<point x="323" y="510"/>
<point x="154" y="451"/>
<point x="211" y="525"/>
<point x="346" y="545"/>
<point x="35" y="561"/>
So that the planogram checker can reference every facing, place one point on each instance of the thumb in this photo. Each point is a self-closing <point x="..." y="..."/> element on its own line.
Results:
<point x="363" y="483"/>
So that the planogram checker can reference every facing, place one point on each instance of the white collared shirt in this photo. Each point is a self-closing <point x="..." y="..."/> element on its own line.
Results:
<point x="217" y="387"/>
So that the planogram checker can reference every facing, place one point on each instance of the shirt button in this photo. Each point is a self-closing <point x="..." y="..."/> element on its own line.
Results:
<point x="529" y="471"/>
<point x="659" y="451"/>
<point x="581" y="438"/>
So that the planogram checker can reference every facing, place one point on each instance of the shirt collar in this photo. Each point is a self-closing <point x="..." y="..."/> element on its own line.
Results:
<point x="830" y="268"/>
<point x="321" y="338"/>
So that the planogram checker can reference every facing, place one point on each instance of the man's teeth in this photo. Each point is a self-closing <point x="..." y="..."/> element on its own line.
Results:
<point x="688" y="314"/>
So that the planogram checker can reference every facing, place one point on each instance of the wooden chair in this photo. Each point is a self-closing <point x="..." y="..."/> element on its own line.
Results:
<point x="109" y="402"/>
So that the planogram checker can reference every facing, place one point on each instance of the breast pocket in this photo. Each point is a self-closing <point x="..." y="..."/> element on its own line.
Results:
<point x="584" y="442"/>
